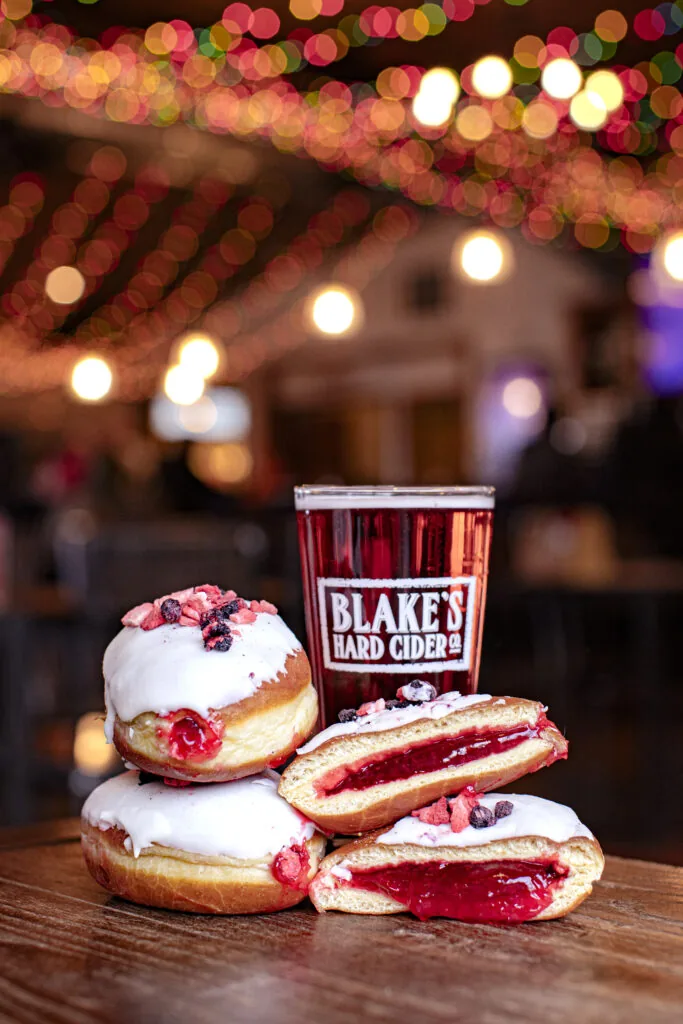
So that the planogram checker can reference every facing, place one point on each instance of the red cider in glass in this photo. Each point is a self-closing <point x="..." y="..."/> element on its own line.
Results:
<point x="394" y="588"/>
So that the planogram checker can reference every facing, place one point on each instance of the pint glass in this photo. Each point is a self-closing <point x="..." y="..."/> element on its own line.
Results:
<point x="394" y="588"/>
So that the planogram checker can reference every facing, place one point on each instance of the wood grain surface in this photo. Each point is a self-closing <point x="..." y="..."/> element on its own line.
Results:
<point x="71" y="953"/>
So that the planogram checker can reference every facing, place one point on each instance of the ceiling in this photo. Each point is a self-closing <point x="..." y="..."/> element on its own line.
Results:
<point x="493" y="28"/>
<point x="59" y="145"/>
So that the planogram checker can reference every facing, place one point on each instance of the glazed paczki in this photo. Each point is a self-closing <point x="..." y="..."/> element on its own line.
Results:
<point x="389" y="758"/>
<point x="230" y="848"/>
<point x="201" y="685"/>
<point x="495" y="858"/>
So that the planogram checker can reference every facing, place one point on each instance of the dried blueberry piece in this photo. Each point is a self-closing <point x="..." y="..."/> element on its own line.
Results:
<point x="348" y="715"/>
<point x="482" y="817"/>
<point x="222" y="642"/>
<point x="503" y="808"/>
<point x="215" y="627"/>
<point x="417" y="692"/>
<point x="396" y="705"/>
<point x="171" y="610"/>
<point x="230" y="608"/>
<point x="214" y="617"/>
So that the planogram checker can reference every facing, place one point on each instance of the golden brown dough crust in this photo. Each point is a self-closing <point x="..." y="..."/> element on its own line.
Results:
<point x="168" y="878"/>
<point x="258" y="732"/>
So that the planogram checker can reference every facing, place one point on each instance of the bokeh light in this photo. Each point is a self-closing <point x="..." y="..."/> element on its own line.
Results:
<point x="183" y="385"/>
<point x="608" y="87"/>
<point x="92" y="754"/>
<point x="522" y="398"/>
<point x="539" y="120"/>
<point x="492" y="77"/>
<point x="672" y="256"/>
<point x="482" y="257"/>
<point x="588" y="111"/>
<point x="65" y="285"/>
<point x="438" y="92"/>
<point x="199" y="417"/>
<point x="561" y="78"/>
<point x="91" y="379"/>
<point x="221" y="466"/>
<point x="334" y="310"/>
<point x="200" y="354"/>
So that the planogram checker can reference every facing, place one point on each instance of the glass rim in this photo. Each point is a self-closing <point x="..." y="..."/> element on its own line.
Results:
<point x="337" y="496"/>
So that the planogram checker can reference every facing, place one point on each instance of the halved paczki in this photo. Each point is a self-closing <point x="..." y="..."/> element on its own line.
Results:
<point x="366" y="772"/>
<point x="520" y="858"/>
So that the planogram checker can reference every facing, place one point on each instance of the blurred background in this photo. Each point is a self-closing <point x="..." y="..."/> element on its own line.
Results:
<point x="329" y="242"/>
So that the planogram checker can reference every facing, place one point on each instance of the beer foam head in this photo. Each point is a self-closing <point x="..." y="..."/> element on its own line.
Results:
<point x="475" y="498"/>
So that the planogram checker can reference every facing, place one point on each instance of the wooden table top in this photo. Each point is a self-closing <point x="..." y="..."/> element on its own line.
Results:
<point x="71" y="953"/>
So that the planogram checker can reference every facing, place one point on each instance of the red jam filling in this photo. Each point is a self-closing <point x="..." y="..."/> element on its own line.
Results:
<point x="430" y="756"/>
<point x="508" y="890"/>
<point x="192" y="738"/>
<point x="291" y="867"/>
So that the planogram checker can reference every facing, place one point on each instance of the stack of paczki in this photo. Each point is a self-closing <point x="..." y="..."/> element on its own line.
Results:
<point x="207" y="693"/>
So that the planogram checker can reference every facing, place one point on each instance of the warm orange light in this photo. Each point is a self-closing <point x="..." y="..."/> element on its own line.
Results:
<point x="199" y="353"/>
<point x="482" y="257"/>
<point x="492" y="77"/>
<point x="561" y="78"/>
<point x="334" y="310"/>
<point x="183" y="385"/>
<point x="91" y="379"/>
<point x="65" y="285"/>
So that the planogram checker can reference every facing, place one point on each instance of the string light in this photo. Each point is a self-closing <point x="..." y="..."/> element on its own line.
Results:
<point x="587" y="110"/>
<point x="91" y="379"/>
<point x="182" y="385"/>
<point x="434" y="101"/>
<point x="482" y="257"/>
<point x="561" y="78"/>
<point x="200" y="354"/>
<point x="608" y="86"/>
<point x="64" y="285"/>
<point x="492" y="77"/>
<point x="334" y="310"/>
<point x="376" y="143"/>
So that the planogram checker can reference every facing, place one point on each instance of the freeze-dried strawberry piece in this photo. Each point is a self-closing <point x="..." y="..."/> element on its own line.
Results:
<point x="198" y="602"/>
<point x="372" y="705"/>
<point x="136" y="616"/>
<point x="213" y="593"/>
<point x="243" y="617"/>
<point x="263" y="606"/>
<point x="189" y="620"/>
<point x="291" y="867"/>
<point x="181" y="596"/>
<point x="435" y="814"/>
<point x="461" y="808"/>
<point x="153" y="619"/>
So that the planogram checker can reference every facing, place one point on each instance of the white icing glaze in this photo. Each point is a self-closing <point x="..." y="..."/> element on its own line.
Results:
<point x="531" y="816"/>
<point x="244" y="819"/>
<point x="379" y="721"/>
<point x="167" y="668"/>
